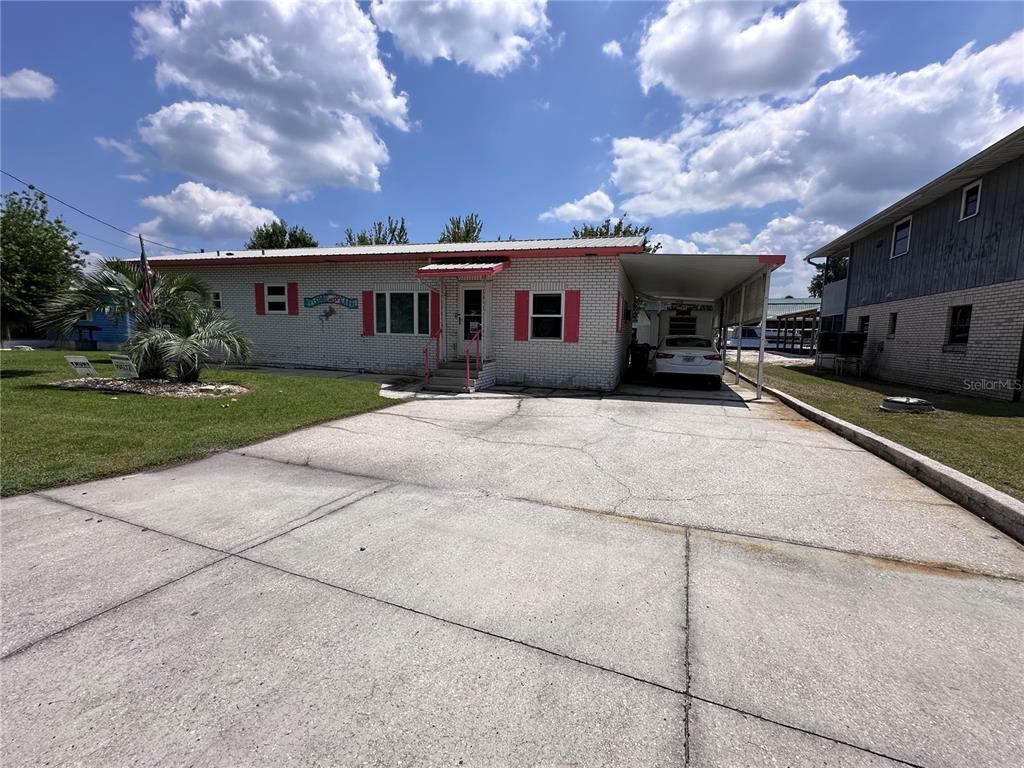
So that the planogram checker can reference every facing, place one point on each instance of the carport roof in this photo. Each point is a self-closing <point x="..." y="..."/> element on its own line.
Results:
<point x="707" y="276"/>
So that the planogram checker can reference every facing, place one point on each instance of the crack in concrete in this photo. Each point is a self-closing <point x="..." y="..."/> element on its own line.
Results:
<point x="665" y="525"/>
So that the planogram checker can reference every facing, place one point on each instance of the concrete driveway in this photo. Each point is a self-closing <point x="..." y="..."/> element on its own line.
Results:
<point x="512" y="580"/>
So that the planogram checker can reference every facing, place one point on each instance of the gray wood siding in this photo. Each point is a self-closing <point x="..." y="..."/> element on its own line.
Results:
<point x="947" y="254"/>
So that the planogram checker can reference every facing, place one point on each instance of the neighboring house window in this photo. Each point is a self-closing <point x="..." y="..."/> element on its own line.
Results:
<point x="215" y="299"/>
<point x="892" y="325"/>
<point x="403" y="312"/>
<point x="863" y="322"/>
<point x="277" y="299"/>
<point x="682" y="325"/>
<point x="546" y="316"/>
<point x="970" y="200"/>
<point x="900" y="238"/>
<point x="88" y="317"/>
<point x="959" y="324"/>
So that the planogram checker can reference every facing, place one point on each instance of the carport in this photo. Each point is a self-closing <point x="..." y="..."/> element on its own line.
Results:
<point x="737" y="285"/>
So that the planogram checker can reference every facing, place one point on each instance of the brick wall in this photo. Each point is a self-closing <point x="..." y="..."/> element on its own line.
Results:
<point x="595" y="362"/>
<point x="918" y="353"/>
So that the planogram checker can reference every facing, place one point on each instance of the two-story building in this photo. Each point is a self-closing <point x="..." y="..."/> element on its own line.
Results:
<point x="937" y="279"/>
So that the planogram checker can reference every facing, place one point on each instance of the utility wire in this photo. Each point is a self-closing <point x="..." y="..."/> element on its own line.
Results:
<point x="89" y="215"/>
<point x="108" y="242"/>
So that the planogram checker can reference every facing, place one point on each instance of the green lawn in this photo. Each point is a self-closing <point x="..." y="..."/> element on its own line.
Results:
<point x="981" y="438"/>
<point x="50" y="436"/>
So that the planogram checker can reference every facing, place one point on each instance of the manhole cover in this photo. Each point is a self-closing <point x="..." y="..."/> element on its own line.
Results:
<point x="907" y="405"/>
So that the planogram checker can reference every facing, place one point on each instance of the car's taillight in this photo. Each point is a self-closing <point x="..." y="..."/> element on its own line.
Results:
<point x="664" y="356"/>
<point x="712" y="357"/>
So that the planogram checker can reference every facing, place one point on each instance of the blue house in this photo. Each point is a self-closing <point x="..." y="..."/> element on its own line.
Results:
<point x="96" y="330"/>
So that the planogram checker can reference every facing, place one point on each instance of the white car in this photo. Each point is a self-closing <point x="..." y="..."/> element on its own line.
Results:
<point x="690" y="356"/>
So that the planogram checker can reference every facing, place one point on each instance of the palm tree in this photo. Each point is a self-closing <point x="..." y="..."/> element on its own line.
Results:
<point x="115" y="288"/>
<point x="200" y="336"/>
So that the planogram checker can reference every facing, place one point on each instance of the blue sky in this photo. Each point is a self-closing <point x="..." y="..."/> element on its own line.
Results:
<point x="727" y="127"/>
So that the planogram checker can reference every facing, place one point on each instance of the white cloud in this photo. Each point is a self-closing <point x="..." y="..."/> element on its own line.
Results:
<point x="670" y="244"/>
<point x="855" y="145"/>
<point x="287" y="94"/>
<point x="612" y="49"/>
<point x="704" y="51"/>
<point x="593" y="207"/>
<point x="123" y="147"/>
<point x="138" y="178"/>
<point x="27" y="84"/>
<point x="489" y="37"/>
<point x="195" y="210"/>
<point x="792" y="236"/>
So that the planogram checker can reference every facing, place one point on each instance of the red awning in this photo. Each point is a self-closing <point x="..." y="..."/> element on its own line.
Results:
<point x="461" y="269"/>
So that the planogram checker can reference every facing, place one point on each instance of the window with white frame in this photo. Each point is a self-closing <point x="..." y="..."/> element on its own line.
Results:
<point x="546" y="315"/>
<point x="215" y="299"/>
<point x="959" y="324"/>
<point x="277" y="299"/>
<point x="970" y="199"/>
<point x="900" y="238"/>
<point x="682" y="325"/>
<point x="402" y="312"/>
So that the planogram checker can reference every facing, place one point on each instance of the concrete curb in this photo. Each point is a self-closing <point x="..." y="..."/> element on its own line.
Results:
<point x="994" y="507"/>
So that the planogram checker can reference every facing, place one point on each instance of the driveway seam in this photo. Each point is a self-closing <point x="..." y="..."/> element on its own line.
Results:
<point x="525" y="644"/>
<point x="22" y="648"/>
<point x="676" y="528"/>
<point x="686" y="652"/>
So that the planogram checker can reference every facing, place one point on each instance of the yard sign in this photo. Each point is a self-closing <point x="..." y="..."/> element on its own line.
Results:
<point x="81" y="366"/>
<point x="124" y="366"/>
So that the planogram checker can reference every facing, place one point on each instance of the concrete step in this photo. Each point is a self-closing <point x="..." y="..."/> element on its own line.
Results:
<point x="444" y="378"/>
<point x="432" y="387"/>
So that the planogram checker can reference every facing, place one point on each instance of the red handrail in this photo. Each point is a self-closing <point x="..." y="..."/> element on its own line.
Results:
<point x="426" y="356"/>
<point x="475" y="337"/>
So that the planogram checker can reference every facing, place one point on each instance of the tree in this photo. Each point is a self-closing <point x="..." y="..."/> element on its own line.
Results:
<point x="462" y="230"/>
<point x="199" y="336"/>
<point x="391" y="233"/>
<point x="619" y="229"/>
<point x="277" y="234"/>
<point x="39" y="258"/>
<point x="833" y="269"/>
<point x="115" y="288"/>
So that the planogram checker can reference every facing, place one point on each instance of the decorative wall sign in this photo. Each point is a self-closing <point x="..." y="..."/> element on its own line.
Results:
<point x="81" y="366"/>
<point x="329" y="300"/>
<point x="124" y="366"/>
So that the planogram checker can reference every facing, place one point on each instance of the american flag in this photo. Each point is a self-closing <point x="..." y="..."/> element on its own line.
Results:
<point x="146" y="292"/>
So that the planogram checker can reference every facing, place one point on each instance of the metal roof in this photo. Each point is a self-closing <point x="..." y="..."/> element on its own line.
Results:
<point x="411" y="250"/>
<point x="1003" y="151"/>
<point x="778" y="307"/>
<point x="693" y="276"/>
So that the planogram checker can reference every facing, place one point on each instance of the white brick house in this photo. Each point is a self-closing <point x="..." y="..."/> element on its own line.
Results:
<point x="552" y="313"/>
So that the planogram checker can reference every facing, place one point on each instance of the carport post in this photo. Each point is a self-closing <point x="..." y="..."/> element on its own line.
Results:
<point x="739" y="330"/>
<point x="764" y="331"/>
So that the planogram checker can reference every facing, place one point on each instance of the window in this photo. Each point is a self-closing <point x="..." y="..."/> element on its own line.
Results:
<point x="970" y="200"/>
<point x="892" y="325"/>
<point x="546" y="316"/>
<point x="402" y="312"/>
<point x="691" y="342"/>
<point x="863" y="322"/>
<point x="682" y="325"/>
<point x="959" y="324"/>
<point x="277" y="299"/>
<point x="900" y="238"/>
<point x="215" y="299"/>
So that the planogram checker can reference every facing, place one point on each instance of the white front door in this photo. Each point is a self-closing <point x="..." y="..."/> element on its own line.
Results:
<point x="470" y="317"/>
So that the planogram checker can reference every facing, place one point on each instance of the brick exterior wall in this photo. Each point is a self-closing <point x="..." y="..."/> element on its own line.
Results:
<point x="918" y="353"/>
<point x="595" y="362"/>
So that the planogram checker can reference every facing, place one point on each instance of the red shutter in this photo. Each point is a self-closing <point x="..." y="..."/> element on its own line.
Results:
<point x="522" y="316"/>
<point x="261" y="300"/>
<point x="618" y="311"/>
<point x="293" y="298"/>
<point x="435" y="313"/>
<point x="571" y="331"/>
<point x="367" y="313"/>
